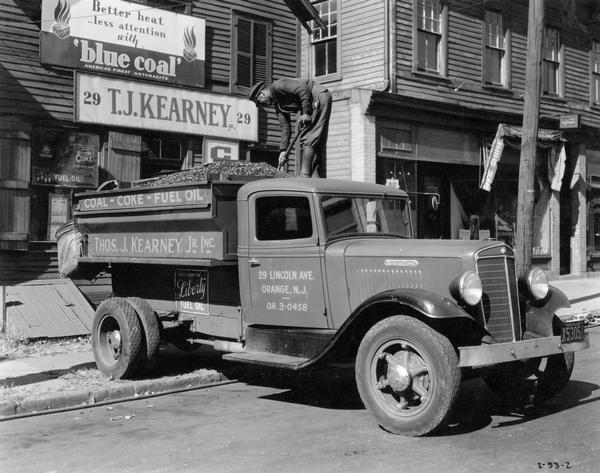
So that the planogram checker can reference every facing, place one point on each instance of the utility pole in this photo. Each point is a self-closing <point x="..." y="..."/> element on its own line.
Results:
<point x="524" y="232"/>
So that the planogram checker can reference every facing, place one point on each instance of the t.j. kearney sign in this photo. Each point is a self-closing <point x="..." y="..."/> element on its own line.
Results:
<point x="117" y="37"/>
<point x="105" y="101"/>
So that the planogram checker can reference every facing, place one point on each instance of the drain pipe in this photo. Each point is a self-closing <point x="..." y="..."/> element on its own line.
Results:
<point x="389" y="38"/>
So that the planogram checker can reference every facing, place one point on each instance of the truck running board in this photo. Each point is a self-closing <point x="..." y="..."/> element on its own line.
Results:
<point x="268" y="359"/>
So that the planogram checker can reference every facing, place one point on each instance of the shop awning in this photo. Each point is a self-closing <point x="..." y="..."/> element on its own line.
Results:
<point x="48" y="309"/>
<point x="511" y="135"/>
<point x="305" y="12"/>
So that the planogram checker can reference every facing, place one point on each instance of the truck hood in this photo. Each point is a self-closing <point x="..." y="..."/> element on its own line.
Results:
<point x="373" y="265"/>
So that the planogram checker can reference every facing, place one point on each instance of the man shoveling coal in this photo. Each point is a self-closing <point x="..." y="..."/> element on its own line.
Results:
<point x="313" y="102"/>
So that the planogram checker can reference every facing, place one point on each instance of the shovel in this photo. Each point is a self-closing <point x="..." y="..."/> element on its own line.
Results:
<point x="283" y="166"/>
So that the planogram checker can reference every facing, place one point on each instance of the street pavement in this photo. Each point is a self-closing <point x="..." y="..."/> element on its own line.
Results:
<point x="583" y="293"/>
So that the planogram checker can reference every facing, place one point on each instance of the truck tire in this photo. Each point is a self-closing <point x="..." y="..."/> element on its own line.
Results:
<point x="534" y="380"/>
<point x="117" y="339"/>
<point x="150" y="325"/>
<point x="407" y="375"/>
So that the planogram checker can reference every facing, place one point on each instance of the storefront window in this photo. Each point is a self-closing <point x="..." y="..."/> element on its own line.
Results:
<point x="161" y="154"/>
<point x="62" y="162"/>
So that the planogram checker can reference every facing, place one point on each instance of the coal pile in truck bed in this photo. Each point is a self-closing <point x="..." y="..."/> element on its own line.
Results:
<point x="212" y="171"/>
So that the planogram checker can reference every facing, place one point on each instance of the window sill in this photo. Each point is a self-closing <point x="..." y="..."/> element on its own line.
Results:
<point x="328" y="78"/>
<point x="553" y="98"/>
<point x="500" y="89"/>
<point x="430" y="75"/>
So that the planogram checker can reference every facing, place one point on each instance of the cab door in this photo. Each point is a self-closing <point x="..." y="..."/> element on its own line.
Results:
<point x="285" y="262"/>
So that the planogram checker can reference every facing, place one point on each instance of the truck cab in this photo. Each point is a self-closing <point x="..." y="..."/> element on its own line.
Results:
<point x="300" y="273"/>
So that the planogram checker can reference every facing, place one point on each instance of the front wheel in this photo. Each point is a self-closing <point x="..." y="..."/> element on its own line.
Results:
<point x="117" y="340"/>
<point x="534" y="380"/>
<point x="407" y="375"/>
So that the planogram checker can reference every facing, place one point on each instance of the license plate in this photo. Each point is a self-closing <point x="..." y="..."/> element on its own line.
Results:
<point x="572" y="332"/>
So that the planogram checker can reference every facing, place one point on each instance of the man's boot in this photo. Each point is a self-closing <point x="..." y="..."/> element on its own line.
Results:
<point x="308" y="156"/>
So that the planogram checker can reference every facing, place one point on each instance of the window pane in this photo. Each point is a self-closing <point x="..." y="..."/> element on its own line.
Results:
<point x="596" y="89"/>
<point x="320" y="59"/>
<point x="283" y="218"/>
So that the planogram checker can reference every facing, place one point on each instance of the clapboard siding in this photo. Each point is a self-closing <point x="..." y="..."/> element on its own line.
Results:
<point x="338" y="143"/>
<point x="362" y="44"/>
<point x="41" y="93"/>
<point x="41" y="263"/>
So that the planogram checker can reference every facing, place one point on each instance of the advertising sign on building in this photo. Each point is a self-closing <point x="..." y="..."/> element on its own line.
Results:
<point x="106" y="101"/>
<point x="215" y="150"/>
<point x="65" y="159"/>
<point x="130" y="39"/>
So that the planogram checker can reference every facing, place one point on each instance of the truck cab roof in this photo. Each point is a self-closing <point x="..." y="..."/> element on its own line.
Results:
<point x="318" y="186"/>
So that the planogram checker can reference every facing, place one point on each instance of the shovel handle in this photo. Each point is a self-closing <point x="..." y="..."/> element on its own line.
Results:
<point x="284" y="165"/>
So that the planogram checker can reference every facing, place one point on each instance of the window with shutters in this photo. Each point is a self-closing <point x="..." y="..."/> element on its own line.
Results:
<point x="325" y="40"/>
<point x="595" y="73"/>
<point x="251" y="52"/>
<point x="551" y="62"/>
<point x="496" y="59"/>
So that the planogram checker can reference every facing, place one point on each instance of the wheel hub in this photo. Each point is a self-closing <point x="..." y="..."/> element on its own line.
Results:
<point x="398" y="377"/>
<point x="114" y="342"/>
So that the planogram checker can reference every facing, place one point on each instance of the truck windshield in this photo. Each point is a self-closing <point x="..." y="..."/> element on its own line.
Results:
<point x="351" y="215"/>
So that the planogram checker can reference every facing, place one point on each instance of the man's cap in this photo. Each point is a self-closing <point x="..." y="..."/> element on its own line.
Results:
<point x="256" y="89"/>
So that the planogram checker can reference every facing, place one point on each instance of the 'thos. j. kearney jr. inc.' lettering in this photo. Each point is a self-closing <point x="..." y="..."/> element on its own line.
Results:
<point x="137" y="245"/>
<point x="163" y="107"/>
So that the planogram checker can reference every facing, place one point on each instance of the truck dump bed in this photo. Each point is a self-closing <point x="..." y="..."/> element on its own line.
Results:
<point x="193" y="224"/>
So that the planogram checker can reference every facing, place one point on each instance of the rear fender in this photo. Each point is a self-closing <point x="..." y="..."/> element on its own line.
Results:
<point x="539" y="315"/>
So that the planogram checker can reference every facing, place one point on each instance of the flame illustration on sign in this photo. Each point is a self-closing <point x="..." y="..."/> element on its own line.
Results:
<point x="62" y="16"/>
<point x="189" y="44"/>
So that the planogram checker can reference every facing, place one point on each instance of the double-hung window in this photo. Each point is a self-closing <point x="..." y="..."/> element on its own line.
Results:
<point x="324" y="40"/>
<point x="250" y="52"/>
<point x="495" y="60"/>
<point x="429" y="41"/>
<point x="551" y="62"/>
<point x="595" y="73"/>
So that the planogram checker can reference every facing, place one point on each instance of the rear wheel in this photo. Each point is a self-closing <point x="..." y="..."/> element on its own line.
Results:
<point x="150" y="325"/>
<point x="117" y="339"/>
<point x="407" y="375"/>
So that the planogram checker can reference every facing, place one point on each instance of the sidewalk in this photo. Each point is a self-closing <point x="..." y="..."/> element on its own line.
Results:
<point x="584" y="294"/>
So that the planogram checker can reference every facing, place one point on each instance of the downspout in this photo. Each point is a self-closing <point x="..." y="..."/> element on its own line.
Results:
<point x="389" y="36"/>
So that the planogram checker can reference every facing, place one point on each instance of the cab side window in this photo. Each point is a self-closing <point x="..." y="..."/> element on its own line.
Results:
<point x="283" y="218"/>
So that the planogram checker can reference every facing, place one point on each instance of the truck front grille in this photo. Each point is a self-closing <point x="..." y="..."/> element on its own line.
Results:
<point x="500" y="301"/>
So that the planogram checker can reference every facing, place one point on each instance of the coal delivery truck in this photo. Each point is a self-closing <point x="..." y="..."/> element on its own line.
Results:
<point x="303" y="273"/>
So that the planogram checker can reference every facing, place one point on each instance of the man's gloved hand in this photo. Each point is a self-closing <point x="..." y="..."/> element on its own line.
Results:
<point x="304" y="120"/>
<point x="282" y="158"/>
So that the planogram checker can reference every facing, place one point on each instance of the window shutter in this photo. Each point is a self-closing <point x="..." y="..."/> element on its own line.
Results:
<point x="15" y="169"/>
<point x="260" y="52"/>
<point x="122" y="159"/>
<point x="244" y="53"/>
<point x="251" y="53"/>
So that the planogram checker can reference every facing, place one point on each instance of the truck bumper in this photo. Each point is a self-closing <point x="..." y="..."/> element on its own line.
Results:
<point x="485" y="355"/>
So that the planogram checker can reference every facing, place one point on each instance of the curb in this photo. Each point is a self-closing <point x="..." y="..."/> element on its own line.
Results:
<point x="118" y="392"/>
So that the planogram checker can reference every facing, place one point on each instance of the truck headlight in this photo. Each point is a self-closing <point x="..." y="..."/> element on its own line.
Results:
<point x="467" y="288"/>
<point x="534" y="283"/>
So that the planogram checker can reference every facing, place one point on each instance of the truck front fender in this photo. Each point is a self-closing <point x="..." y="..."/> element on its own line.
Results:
<point x="539" y="315"/>
<point x="428" y="303"/>
<point x="439" y="312"/>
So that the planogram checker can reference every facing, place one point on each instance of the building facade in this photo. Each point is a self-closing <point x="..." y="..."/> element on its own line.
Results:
<point x="93" y="92"/>
<point x="428" y="96"/>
